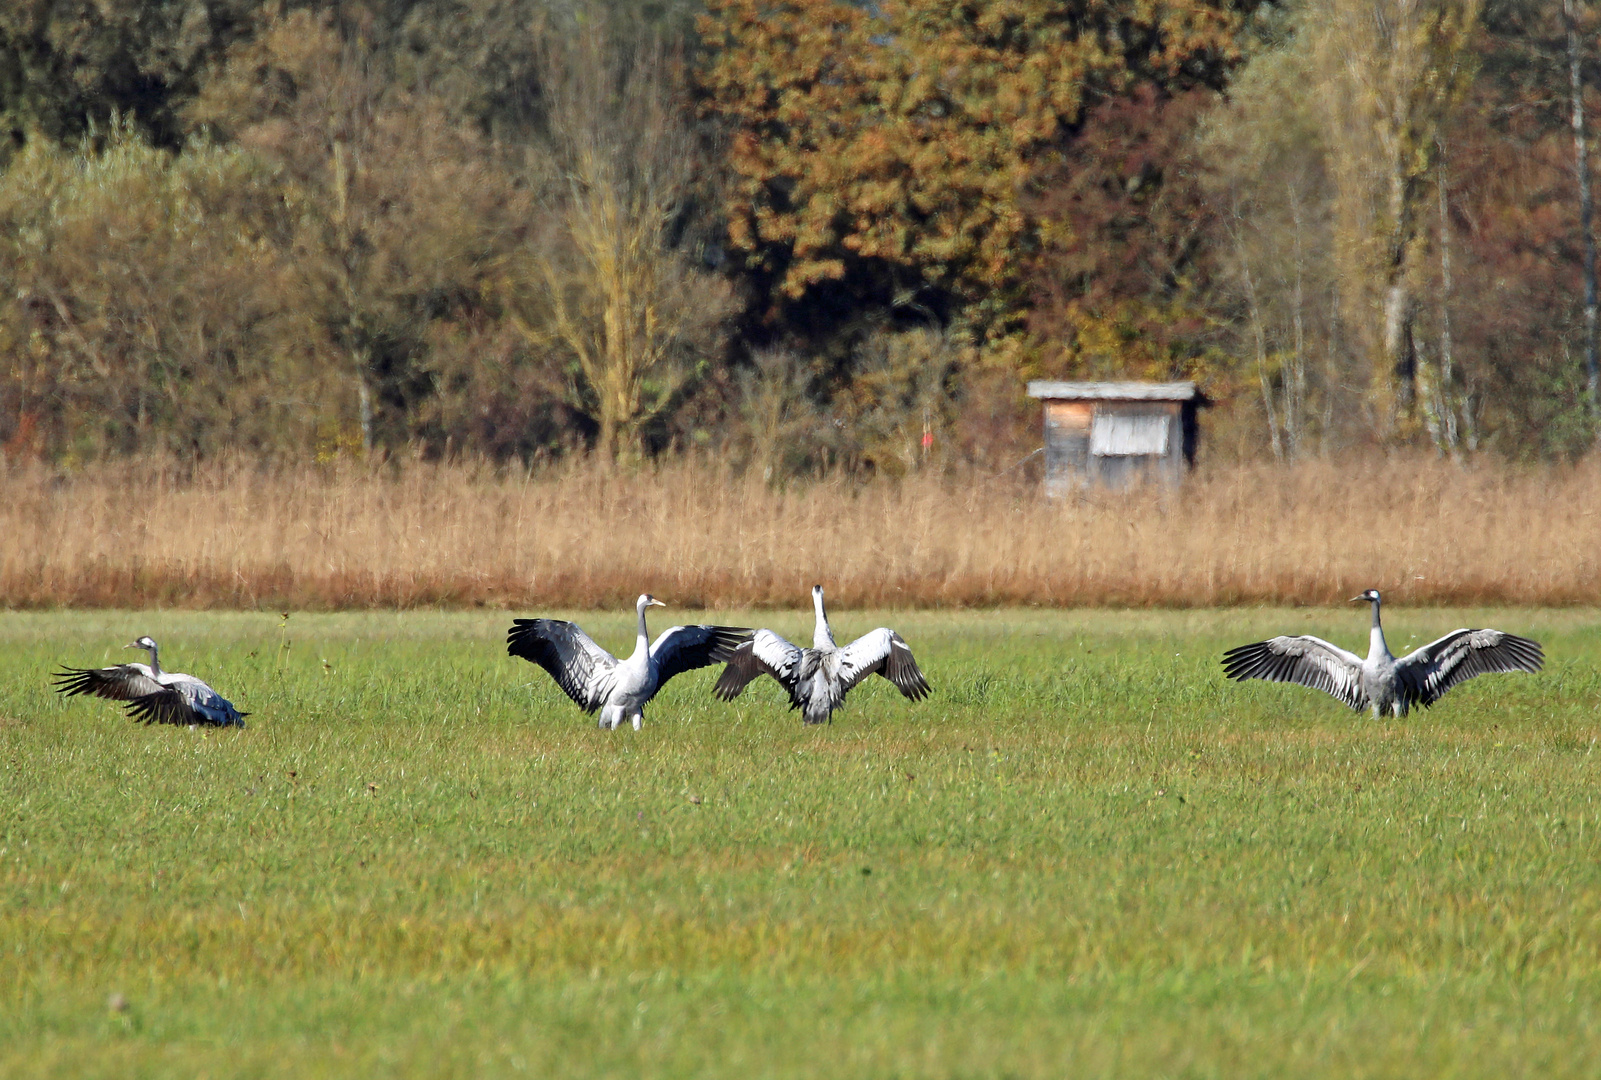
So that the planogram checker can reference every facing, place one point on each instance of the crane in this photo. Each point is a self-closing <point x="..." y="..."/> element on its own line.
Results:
<point x="818" y="678"/>
<point x="1381" y="682"/>
<point x="619" y="689"/>
<point x="154" y="696"/>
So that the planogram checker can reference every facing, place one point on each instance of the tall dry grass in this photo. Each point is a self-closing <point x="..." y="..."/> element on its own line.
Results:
<point x="242" y="535"/>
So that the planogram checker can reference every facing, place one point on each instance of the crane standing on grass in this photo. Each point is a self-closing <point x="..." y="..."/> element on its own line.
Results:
<point x="619" y="689"/>
<point x="818" y="678"/>
<point x="1381" y="682"/>
<point x="154" y="696"/>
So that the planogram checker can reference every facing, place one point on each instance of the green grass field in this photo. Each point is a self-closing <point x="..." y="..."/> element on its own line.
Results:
<point x="1087" y="855"/>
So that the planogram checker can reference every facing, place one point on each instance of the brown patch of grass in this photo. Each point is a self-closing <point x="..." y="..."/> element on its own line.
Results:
<point x="237" y="535"/>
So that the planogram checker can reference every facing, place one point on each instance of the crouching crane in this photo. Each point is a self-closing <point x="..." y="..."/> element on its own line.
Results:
<point x="818" y="678"/>
<point x="1381" y="682"/>
<point x="619" y="689"/>
<point x="154" y="696"/>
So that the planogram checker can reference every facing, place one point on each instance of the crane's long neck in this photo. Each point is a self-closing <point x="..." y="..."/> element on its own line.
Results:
<point x="642" y="643"/>
<point x="155" y="665"/>
<point x="822" y="637"/>
<point x="1376" y="645"/>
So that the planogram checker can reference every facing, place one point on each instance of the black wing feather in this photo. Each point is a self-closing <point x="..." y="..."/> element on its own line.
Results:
<point x="564" y="650"/>
<point x="1462" y="655"/>
<point x="121" y="682"/>
<point x="900" y="668"/>
<point x="741" y="669"/>
<point x="882" y="652"/>
<point x="765" y="654"/>
<point x="685" y="648"/>
<point x="172" y="706"/>
<point x="1302" y="659"/>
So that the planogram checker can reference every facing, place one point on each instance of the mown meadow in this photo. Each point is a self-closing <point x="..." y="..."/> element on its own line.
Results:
<point x="1086" y="855"/>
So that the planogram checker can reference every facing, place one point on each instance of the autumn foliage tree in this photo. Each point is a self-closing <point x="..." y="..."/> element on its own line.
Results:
<point x="825" y="234"/>
<point x="1123" y="282"/>
<point x="1512" y="225"/>
<point x="138" y="303"/>
<point x="398" y="211"/>
<point x="1402" y="240"/>
<point x="881" y="151"/>
<point x="68" y="64"/>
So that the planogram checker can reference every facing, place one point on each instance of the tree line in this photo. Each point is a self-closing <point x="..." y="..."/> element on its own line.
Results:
<point x="804" y="234"/>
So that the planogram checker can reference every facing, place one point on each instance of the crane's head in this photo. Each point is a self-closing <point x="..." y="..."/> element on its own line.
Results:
<point x="1372" y="595"/>
<point x="647" y="600"/>
<point x="817" y="592"/>
<point x="147" y="643"/>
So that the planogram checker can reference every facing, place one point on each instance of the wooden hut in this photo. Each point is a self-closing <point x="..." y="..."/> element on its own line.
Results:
<point x="1115" y="433"/>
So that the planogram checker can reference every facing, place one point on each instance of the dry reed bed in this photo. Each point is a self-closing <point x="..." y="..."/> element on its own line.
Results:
<point x="237" y="535"/>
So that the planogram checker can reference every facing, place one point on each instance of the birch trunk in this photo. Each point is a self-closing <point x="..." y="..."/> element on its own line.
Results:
<point x="1581" y="154"/>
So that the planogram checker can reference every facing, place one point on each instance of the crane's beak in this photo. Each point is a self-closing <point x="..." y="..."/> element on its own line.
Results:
<point x="133" y="645"/>
<point x="655" y="603"/>
<point x="1354" y="599"/>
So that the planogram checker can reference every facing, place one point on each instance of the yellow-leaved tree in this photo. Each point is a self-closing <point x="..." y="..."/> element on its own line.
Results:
<point x="1393" y="70"/>
<point x="612" y="281"/>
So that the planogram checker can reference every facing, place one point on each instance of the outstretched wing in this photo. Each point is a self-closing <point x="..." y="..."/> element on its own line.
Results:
<point x="1303" y="659"/>
<point x="685" y="648"/>
<point x="886" y="652"/>
<point x="765" y="653"/>
<point x="186" y="700"/>
<point x="121" y="682"/>
<point x="582" y="669"/>
<point x="1460" y="655"/>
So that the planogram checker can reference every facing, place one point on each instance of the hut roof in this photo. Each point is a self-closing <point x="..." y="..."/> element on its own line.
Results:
<point x="1116" y="391"/>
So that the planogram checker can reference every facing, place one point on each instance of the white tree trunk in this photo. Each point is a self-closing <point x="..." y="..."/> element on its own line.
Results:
<point x="1581" y="154"/>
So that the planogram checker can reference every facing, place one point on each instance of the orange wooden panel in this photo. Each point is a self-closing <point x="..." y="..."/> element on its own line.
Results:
<point x="1069" y="414"/>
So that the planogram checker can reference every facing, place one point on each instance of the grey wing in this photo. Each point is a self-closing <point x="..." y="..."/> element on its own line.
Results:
<point x="186" y="700"/>
<point x="121" y="682"/>
<point x="765" y="653"/>
<point x="582" y="669"/>
<point x="685" y="648"/>
<point x="1460" y="655"/>
<point x="1302" y="659"/>
<point x="886" y="652"/>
